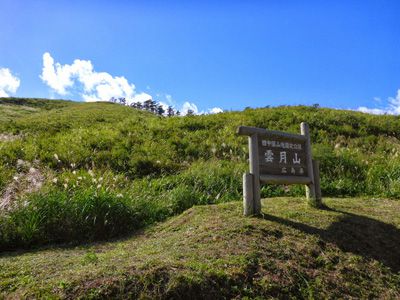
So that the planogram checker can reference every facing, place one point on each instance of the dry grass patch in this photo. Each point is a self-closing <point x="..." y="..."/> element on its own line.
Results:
<point x="29" y="179"/>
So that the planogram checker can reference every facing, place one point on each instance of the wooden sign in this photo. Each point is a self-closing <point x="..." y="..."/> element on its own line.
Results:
<point x="279" y="155"/>
<point x="279" y="158"/>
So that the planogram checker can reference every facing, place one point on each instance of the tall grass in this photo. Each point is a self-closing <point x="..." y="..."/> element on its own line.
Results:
<point x="57" y="216"/>
<point x="82" y="206"/>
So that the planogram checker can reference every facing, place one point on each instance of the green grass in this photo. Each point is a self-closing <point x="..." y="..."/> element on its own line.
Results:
<point x="15" y="108"/>
<point x="104" y="163"/>
<point x="358" y="153"/>
<point x="348" y="250"/>
<point x="111" y="172"/>
<point x="92" y="206"/>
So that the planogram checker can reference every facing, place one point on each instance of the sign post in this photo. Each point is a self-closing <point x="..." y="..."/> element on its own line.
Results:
<point x="278" y="158"/>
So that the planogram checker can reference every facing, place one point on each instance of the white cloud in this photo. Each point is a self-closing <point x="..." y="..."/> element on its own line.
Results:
<point x="8" y="83"/>
<point x="189" y="106"/>
<point x="394" y="103"/>
<point x="215" y="110"/>
<point x="375" y="111"/>
<point x="142" y="97"/>
<point x="81" y="77"/>
<point x="56" y="76"/>
<point x="392" y="108"/>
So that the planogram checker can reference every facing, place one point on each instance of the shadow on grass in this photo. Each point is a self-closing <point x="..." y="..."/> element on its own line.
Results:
<point x="80" y="245"/>
<point x="357" y="234"/>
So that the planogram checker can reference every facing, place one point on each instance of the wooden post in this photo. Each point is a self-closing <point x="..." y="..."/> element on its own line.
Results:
<point x="255" y="171"/>
<point x="248" y="201"/>
<point x="310" y="188"/>
<point x="318" y="196"/>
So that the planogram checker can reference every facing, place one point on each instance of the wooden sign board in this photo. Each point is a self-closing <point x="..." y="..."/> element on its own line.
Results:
<point x="280" y="158"/>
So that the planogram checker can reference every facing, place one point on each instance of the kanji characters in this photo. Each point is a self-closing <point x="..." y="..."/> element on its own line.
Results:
<point x="269" y="156"/>
<point x="296" y="160"/>
<point x="283" y="157"/>
<point x="280" y="144"/>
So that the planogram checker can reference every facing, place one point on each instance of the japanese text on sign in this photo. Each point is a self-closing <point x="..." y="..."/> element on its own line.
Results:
<point x="280" y="156"/>
<point x="283" y="145"/>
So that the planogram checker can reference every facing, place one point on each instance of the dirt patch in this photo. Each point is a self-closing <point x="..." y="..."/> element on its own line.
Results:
<point x="29" y="179"/>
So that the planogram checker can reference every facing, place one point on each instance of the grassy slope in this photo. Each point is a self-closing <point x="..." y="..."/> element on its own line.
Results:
<point x="359" y="153"/>
<point x="350" y="249"/>
<point x="208" y="251"/>
<point x="15" y="108"/>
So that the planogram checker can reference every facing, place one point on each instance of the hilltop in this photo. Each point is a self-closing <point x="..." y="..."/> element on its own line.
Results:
<point x="104" y="200"/>
<point x="109" y="136"/>
<point x="96" y="166"/>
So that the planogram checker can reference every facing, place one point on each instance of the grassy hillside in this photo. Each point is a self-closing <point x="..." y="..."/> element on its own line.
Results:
<point x="72" y="172"/>
<point x="348" y="250"/>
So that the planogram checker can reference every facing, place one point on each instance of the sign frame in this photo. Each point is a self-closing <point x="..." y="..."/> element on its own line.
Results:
<point x="252" y="181"/>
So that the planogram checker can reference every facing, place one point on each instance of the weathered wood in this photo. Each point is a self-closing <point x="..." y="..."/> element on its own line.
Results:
<point x="248" y="202"/>
<point x="255" y="171"/>
<point x="310" y="188"/>
<point x="247" y="130"/>
<point x="317" y="184"/>
<point x="280" y="179"/>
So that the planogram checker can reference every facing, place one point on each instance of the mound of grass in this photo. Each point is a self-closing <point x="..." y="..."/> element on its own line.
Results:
<point x="348" y="250"/>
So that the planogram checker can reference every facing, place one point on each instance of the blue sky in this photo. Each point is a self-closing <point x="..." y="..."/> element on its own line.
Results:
<point x="226" y="54"/>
